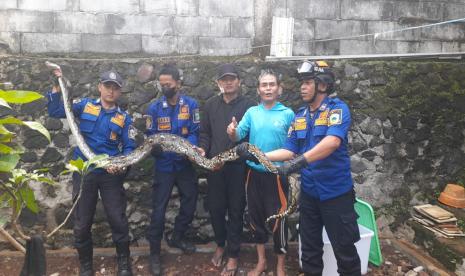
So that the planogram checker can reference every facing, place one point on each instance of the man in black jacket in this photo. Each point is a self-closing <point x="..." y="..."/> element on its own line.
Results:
<point x="226" y="191"/>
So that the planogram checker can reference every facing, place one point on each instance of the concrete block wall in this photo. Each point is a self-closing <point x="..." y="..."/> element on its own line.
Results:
<point x="228" y="27"/>
<point x="345" y="19"/>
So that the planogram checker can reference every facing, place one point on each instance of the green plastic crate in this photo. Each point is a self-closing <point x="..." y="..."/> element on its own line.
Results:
<point x="367" y="219"/>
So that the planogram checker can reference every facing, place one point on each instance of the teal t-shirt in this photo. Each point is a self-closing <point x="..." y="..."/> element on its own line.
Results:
<point x="267" y="129"/>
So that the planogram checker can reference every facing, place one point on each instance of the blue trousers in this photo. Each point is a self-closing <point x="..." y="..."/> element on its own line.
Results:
<point x="113" y="197"/>
<point x="186" y="182"/>
<point x="340" y="220"/>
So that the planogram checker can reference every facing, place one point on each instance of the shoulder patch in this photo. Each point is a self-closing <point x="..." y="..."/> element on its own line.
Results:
<point x="335" y="117"/>
<point x="132" y="132"/>
<point x="148" y="121"/>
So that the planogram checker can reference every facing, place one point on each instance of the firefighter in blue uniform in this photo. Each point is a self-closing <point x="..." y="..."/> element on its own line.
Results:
<point x="319" y="139"/>
<point x="107" y="130"/>
<point x="177" y="114"/>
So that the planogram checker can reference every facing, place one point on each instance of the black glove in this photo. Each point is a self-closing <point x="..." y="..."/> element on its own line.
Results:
<point x="292" y="166"/>
<point x="156" y="151"/>
<point x="243" y="151"/>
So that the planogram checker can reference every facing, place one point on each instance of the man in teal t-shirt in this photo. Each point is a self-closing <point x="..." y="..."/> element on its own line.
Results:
<point x="267" y="126"/>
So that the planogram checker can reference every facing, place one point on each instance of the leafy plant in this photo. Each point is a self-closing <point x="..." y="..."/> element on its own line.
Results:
<point x="14" y="184"/>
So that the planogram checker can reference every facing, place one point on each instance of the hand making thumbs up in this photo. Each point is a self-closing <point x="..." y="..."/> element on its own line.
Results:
<point x="231" y="130"/>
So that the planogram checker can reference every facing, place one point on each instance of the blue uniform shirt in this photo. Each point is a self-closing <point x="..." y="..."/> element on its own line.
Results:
<point x="329" y="177"/>
<point x="105" y="131"/>
<point x="182" y="120"/>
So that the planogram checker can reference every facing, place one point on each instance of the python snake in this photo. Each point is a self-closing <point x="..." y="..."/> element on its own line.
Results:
<point x="177" y="144"/>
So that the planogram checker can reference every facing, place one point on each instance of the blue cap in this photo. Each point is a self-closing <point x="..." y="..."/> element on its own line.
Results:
<point x="111" y="76"/>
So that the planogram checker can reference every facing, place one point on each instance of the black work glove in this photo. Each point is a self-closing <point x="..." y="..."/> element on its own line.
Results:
<point x="156" y="151"/>
<point x="243" y="151"/>
<point x="292" y="166"/>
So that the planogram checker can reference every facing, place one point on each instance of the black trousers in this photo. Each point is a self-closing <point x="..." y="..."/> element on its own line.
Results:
<point x="163" y="184"/>
<point x="113" y="197"/>
<point x="226" y="195"/>
<point x="267" y="196"/>
<point x="340" y="220"/>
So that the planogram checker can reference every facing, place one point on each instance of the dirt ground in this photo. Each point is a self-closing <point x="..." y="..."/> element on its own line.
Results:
<point x="64" y="262"/>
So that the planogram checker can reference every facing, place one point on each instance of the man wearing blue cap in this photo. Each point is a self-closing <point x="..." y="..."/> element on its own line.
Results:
<point x="107" y="130"/>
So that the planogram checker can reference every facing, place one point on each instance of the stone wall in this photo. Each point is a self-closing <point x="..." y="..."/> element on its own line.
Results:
<point x="407" y="138"/>
<point x="226" y="28"/>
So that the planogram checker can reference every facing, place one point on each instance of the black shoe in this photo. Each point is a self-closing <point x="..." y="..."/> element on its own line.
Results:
<point x="179" y="242"/>
<point x="155" y="265"/>
<point x="123" y="259"/>
<point x="85" y="261"/>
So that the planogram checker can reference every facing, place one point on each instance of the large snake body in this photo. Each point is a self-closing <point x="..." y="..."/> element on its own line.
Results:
<point x="177" y="144"/>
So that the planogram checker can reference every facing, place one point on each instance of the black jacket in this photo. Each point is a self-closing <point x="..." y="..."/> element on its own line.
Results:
<point x="215" y="118"/>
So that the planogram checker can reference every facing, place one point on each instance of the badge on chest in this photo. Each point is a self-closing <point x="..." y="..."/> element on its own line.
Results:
<point x="92" y="109"/>
<point x="183" y="113"/>
<point x="164" y="123"/>
<point x="300" y="123"/>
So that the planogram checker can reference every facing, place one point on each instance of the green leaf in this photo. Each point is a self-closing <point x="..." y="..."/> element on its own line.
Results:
<point x="4" y="103"/>
<point x="11" y="120"/>
<point x="4" y="130"/>
<point x="6" y="138"/>
<point x="39" y="127"/>
<point x="20" y="96"/>
<point x="8" y="162"/>
<point x="78" y="163"/>
<point x="46" y="180"/>
<point x="29" y="199"/>
<point x="4" y="149"/>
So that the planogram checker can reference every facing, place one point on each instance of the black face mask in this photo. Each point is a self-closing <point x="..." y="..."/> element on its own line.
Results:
<point x="168" y="92"/>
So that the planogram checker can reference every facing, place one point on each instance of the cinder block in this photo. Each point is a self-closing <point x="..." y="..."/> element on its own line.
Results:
<point x="337" y="28"/>
<point x="304" y="29"/>
<point x="448" y="47"/>
<point x="81" y="22"/>
<point x="159" y="45"/>
<point x="120" y="6"/>
<point x="187" y="7"/>
<point x="326" y="48"/>
<point x="26" y="21"/>
<point x="356" y="47"/>
<point x="111" y="43"/>
<point x="226" y="46"/>
<point x="12" y="41"/>
<point x="43" y="5"/>
<point x="387" y="26"/>
<point x="242" y="27"/>
<point x="141" y="24"/>
<point x="50" y="43"/>
<point x="321" y="9"/>
<point x="8" y="4"/>
<point x="454" y="11"/>
<point x="418" y="10"/>
<point x="366" y="10"/>
<point x="158" y="7"/>
<point x="279" y="8"/>
<point x="302" y="48"/>
<point x="239" y="8"/>
<point x="430" y="47"/>
<point x="202" y="26"/>
<point x="448" y="32"/>
<point x="188" y="44"/>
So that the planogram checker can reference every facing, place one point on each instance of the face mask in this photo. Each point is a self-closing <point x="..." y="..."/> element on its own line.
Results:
<point x="168" y="92"/>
